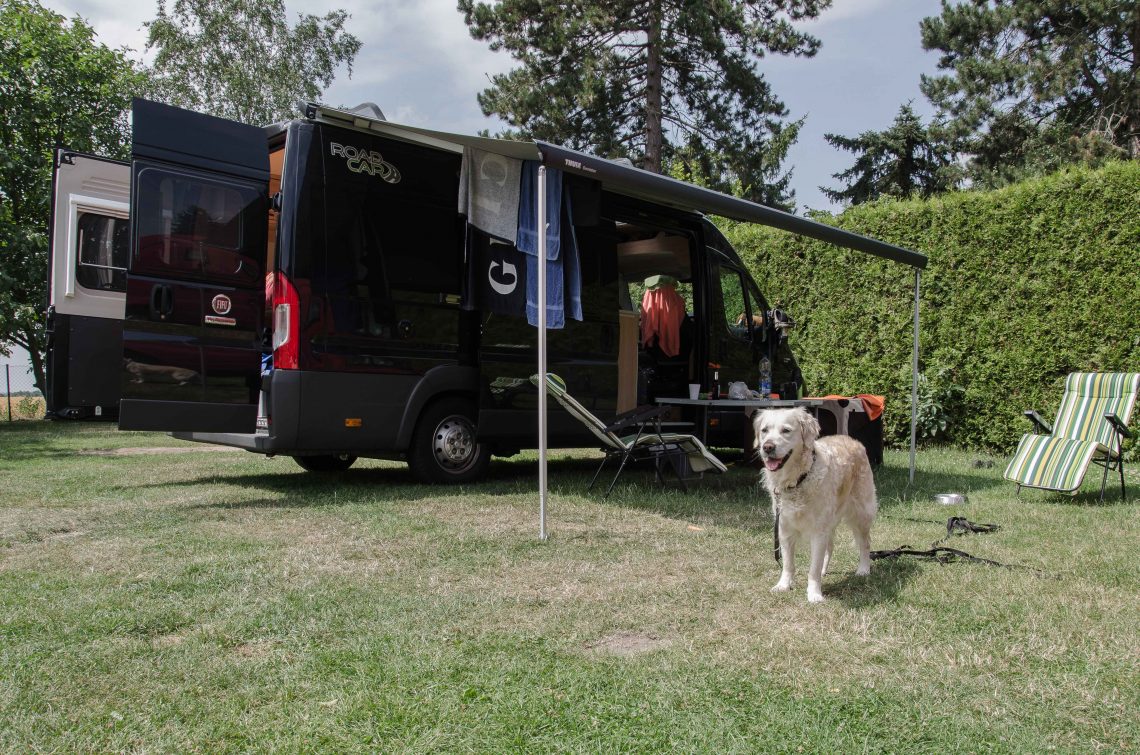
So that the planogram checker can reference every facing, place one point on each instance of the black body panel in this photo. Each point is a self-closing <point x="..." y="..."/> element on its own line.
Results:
<point x="83" y="367"/>
<point x="184" y="137"/>
<point x="141" y="414"/>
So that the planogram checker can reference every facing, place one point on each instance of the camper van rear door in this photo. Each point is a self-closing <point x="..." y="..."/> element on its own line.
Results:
<point x="196" y="281"/>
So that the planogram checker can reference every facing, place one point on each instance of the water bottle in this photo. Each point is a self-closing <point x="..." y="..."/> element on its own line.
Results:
<point x="765" y="377"/>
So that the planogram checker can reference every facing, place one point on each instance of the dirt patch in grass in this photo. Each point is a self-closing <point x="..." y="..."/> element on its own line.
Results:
<point x="255" y="649"/>
<point x="151" y="450"/>
<point x="168" y="640"/>
<point x="626" y="644"/>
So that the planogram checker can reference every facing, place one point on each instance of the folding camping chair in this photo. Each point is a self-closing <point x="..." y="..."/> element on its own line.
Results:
<point x="1091" y="425"/>
<point x="680" y="451"/>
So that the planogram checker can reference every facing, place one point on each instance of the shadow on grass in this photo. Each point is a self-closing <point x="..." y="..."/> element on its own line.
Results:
<point x="1086" y="496"/>
<point x="636" y="487"/>
<point x="733" y="499"/>
<point x="27" y="440"/>
<point x="886" y="581"/>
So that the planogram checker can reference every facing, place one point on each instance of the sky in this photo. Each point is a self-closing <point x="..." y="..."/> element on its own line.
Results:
<point x="420" y="65"/>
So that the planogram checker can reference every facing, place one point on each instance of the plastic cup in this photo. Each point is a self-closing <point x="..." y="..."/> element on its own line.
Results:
<point x="694" y="390"/>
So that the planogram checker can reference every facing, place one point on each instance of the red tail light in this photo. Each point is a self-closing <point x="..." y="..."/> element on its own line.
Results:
<point x="286" y="324"/>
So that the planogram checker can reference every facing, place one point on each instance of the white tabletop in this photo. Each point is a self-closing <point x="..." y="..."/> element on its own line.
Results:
<point x="742" y="403"/>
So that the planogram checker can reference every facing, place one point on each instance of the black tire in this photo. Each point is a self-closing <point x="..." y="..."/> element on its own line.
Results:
<point x="331" y="463"/>
<point x="443" y="446"/>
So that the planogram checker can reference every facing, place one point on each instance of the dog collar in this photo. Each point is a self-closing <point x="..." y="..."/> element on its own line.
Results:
<point x="803" y="476"/>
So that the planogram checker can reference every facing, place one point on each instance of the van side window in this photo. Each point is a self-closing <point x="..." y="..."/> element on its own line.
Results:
<point x="739" y="311"/>
<point x="101" y="252"/>
<point x="393" y="249"/>
<point x="201" y="228"/>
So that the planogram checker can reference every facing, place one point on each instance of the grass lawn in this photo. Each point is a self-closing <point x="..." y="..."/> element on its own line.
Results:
<point x="212" y="601"/>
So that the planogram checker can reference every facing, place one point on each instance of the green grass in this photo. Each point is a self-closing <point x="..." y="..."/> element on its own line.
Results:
<point x="224" y="601"/>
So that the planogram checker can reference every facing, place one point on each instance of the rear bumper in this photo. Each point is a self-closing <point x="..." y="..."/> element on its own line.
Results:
<point x="257" y="443"/>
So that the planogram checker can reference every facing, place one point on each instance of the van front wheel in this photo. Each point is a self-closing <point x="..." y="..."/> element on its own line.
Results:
<point x="443" y="448"/>
<point x="332" y="463"/>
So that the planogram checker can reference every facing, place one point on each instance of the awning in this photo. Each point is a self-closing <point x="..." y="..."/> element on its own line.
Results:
<point x="629" y="181"/>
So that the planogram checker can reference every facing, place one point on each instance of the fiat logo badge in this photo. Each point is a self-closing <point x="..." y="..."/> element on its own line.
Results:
<point x="221" y="304"/>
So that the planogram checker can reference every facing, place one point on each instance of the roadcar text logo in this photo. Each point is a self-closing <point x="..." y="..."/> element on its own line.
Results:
<point x="221" y="304"/>
<point x="366" y="161"/>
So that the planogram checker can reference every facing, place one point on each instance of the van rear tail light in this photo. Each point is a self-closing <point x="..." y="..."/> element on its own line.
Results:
<point x="281" y="314"/>
<point x="286" y="324"/>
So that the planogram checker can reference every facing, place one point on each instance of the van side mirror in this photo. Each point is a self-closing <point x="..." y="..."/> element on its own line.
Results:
<point x="782" y="323"/>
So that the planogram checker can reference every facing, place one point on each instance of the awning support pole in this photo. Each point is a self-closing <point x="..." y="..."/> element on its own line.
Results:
<point x="541" y="262"/>
<point x="914" y="379"/>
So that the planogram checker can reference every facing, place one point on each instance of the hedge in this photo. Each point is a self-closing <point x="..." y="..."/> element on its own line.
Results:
<point x="1025" y="285"/>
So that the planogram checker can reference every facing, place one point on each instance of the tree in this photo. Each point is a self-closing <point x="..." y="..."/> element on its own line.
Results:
<point x="1036" y="83"/>
<point x="903" y="161"/>
<point x="655" y="81"/>
<point x="240" y="59"/>
<point x="59" y="86"/>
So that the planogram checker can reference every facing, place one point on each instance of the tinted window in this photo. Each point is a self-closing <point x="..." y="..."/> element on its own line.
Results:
<point x="102" y="252"/>
<point x="739" y="311"/>
<point x="393" y="238"/>
<point x="195" y="227"/>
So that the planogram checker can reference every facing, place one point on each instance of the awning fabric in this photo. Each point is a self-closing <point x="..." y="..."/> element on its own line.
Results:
<point x="630" y="181"/>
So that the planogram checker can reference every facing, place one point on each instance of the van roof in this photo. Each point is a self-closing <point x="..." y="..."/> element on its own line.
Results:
<point x="624" y="179"/>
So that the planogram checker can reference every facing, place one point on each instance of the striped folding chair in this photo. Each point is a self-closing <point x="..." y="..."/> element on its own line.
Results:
<point x="1090" y="427"/>
<point x="676" y="449"/>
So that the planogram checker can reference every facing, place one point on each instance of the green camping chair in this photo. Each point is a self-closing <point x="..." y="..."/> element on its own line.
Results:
<point x="678" y="450"/>
<point x="1091" y="424"/>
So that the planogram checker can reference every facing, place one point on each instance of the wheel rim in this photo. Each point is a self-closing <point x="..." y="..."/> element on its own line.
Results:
<point x="453" y="444"/>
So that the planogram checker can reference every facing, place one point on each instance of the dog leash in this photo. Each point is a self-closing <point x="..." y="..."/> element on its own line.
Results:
<point x="960" y="525"/>
<point x="776" y="518"/>
<point x="955" y="525"/>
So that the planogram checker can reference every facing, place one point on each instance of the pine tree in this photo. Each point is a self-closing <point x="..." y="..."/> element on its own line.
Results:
<point x="661" y="82"/>
<point x="1035" y="83"/>
<point x="905" y="160"/>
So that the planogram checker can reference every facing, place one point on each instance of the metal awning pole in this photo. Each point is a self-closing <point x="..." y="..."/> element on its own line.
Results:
<point x="541" y="262"/>
<point x="914" y="378"/>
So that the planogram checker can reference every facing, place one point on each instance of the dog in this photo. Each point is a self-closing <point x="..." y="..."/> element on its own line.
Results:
<point x="141" y="372"/>
<point x="814" y="483"/>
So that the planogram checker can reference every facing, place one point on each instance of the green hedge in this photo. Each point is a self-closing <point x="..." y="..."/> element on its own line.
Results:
<point x="1025" y="285"/>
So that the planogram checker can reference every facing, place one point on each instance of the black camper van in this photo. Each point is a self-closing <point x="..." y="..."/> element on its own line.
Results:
<point x="312" y="289"/>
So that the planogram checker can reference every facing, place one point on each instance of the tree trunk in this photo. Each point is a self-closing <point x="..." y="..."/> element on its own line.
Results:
<point x="653" y="77"/>
<point x="1132" y="99"/>
<point x="35" y="349"/>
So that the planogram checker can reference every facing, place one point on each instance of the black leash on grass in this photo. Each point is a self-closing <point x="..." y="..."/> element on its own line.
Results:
<point x="960" y="525"/>
<point x="955" y="525"/>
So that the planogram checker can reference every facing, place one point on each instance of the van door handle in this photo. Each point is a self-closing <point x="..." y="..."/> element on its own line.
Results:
<point x="161" y="302"/>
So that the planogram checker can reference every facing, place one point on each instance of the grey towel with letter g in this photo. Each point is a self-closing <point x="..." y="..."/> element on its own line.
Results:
<point x="489" y="192"/>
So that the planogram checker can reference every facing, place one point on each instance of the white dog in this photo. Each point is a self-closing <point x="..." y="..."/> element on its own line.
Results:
<point x="814" y="484"/>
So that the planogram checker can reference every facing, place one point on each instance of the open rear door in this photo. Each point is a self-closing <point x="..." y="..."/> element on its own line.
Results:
<point x="196" y="281"/>
<point x="87" y="277"/>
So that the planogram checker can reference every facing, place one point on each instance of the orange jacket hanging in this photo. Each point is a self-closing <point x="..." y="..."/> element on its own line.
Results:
<point x="662" y="311"/>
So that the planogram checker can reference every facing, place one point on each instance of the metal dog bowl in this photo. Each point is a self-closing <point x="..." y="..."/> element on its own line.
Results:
<point x="950" y="499"/>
